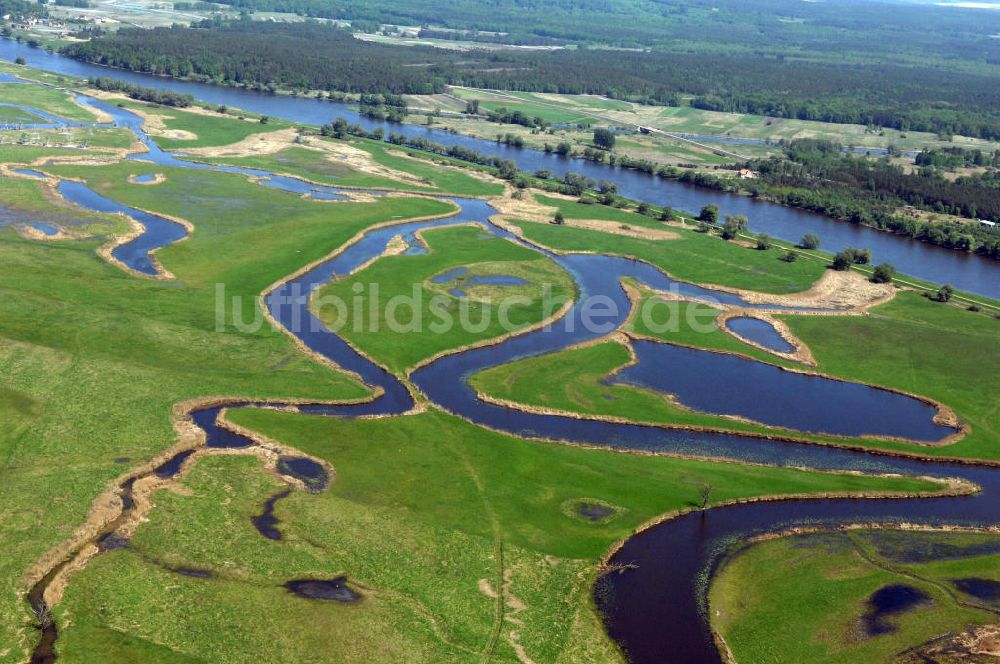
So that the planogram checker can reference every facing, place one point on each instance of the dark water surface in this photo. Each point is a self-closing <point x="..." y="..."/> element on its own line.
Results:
<point x="759" y="331"/>
<point x="335" y="590"/>
<point x="730" y="385"/>
<point x="889" y="602"/>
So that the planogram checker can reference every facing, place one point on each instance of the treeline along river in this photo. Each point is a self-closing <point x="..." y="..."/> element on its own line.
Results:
<point x="967" y="272"/>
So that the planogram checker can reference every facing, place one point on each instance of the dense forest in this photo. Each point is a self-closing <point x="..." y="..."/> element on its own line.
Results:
<point x="270" y="56"/>
<point x="863" y="28"/>
<point x="306" y="56"/>
<point x="21" y="8"/>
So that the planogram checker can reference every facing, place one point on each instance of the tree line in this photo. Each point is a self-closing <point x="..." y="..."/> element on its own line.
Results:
<point x="153" y="95"/>
<point x="310" y="56"/>
<point x="815" y="175"/>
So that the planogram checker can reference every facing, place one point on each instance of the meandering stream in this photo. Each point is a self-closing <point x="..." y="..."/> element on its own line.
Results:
<point x="655" y="605"/>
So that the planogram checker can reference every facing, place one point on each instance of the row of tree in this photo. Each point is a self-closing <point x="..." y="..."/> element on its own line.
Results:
<point x="154" y="95"/>
<point x="313" y="56"/>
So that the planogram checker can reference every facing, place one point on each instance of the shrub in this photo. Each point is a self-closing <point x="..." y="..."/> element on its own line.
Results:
<point x="709" y="214"/>
<point x="809" y="241"/>
<point x="858" y="256"/>
<point x="884" y="273"/>
<point x="734" y="224"/>
<point x="944" y="293"/>
<point x="842" y="261"/>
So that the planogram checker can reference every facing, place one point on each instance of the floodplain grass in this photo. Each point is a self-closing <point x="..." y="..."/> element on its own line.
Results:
<point x="420" y="506"/>
<point x="921" y="347"/>
<point x="659" y="313"/>
<point x="910" y="344"/>
<point x="92" y="359"/>
<point x="11" y="114"/>
<point x="13" y="153"/>
<point x="693" y="257"/>
<point x="326" y="169"/>
<point x="94" y="137"/>
<point x="802" y="598"/>
<point x="210" y="130"/>
<point x="53" y="100"/>
<point x="23" y="201"/>
<point x="413" y="337"/>
<point x="576" y="380"/>
<point x="593" y="210"/>
<point x="446" y="179"/>
<point x="29" y="73"/>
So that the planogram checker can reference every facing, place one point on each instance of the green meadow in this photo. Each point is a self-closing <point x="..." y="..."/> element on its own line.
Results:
<point x="93" y="359"/>
<point x="466" y="544"/>
<point x="210" y="129"/>
<point x="805" y="598"/>
<point x="429" y="517"/>
<point x="696" y="257"/>
<point x="52" y="100"/>
<point x="947" y="352"/>
<point x="12" y="114"/>
<point x="401" y="335"/>
<point x="324" y="168"/>
<point x="923" y="347"/>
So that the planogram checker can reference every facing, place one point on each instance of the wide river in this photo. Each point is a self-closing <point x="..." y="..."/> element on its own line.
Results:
<point x="655" y="605"/>
<point x="966" y="271"/>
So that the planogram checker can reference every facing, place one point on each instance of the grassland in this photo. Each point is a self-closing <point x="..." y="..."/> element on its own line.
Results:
<point x="93" y="359"/>
<point x="22" y="201"/>
<point x="26" y="154"/>
<point x="425" y="510"/>
<point x="803" y="598"/>
<point x="321" y="167"/>
<point x="574" y="381"/>
<point x="948" y="354"/>
<point x="690" y="324"/>
<point x="414" y="336"/>
<point x="55" y="101"/>
<point x="71" y="138"/>
<point x="210" y="129"/>
<point x="10" y="114"/>
<point x="693" y="257"/>
<point x="429" y="515"/>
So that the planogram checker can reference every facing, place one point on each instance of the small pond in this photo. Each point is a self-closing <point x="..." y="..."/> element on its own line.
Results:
<point x="761" y="332"/>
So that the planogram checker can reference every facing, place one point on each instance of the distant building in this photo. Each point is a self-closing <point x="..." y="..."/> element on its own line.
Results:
<point x="987" y="223"/>
<point x="747" y="174"/>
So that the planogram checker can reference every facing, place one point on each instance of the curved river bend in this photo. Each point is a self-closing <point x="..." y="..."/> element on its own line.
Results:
<point x="965" y="271"/>
<point x="654" y="607"/>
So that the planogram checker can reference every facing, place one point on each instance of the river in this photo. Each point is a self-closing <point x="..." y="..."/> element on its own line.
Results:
<point x="968" y="272"/>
